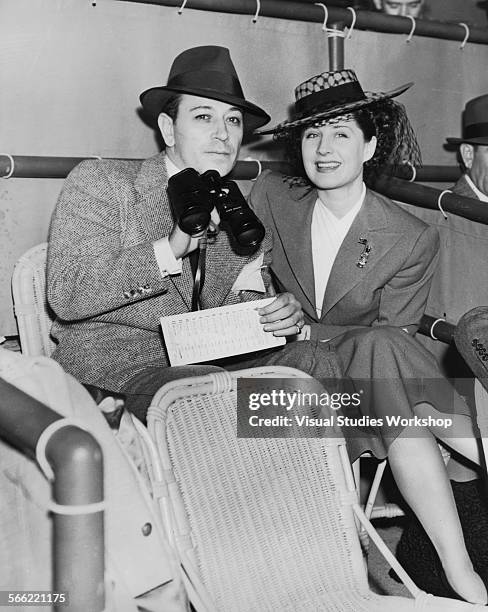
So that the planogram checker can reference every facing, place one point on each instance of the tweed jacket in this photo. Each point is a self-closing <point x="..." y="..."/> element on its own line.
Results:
<point x="103" y="281"/>
<point x="392" y="287"/>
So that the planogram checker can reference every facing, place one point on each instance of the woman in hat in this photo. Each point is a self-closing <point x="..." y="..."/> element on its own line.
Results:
<point x="362" y="266"/>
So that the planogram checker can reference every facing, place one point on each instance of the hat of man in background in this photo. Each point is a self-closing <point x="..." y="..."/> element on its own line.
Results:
<point x="207" y="72"/>
<point x="471" y="338"/>
<point x="474" y="122"/>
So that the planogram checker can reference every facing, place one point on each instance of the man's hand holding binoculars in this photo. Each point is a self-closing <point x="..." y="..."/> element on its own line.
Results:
<point x="200" y="202"/>
<point x="182" y="243"/>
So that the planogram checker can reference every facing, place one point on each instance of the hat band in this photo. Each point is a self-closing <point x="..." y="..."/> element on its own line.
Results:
<point x="476" y="130"/>
<point x="210" y="80"/>
<point x="349" y="92"/>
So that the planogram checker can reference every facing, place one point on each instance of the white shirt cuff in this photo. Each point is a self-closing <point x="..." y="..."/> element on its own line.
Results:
<point x="165" y="258"/>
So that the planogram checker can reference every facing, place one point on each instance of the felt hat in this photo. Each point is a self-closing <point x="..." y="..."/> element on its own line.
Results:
<point x="471" y="338"/>
<point x="474" y="122"/>
<point x="330" y="94"/>
<point x="207" y="72"/>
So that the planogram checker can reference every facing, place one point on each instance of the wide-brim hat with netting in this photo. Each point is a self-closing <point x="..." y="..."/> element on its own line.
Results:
<point x="330" y="94"/>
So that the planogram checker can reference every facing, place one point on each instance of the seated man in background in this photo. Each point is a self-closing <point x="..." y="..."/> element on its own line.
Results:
<point x="117" y="261"/>
<point x="463" y="248"/>
<point x="473" y="150"/>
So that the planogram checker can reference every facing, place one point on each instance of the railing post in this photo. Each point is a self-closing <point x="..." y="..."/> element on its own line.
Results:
<point x="77" y="463"/>
<point x="336" y="46"/>
<point x="78" y="543"/>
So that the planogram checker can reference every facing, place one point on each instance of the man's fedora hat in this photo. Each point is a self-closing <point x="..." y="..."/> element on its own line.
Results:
<point x="207" y="72"/>
<point x="475" y="122"/>
<point x="471" y="338"/>
<point x="327" y="95"/>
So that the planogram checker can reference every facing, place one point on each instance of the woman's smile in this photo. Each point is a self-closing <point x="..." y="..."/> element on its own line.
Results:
<point x="327" y="166"/>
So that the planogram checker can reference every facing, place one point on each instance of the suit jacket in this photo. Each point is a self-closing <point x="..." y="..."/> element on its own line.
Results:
<point x="463" y="188"/>
<point x="103" y="281"/>
<point x="392" y="287"/>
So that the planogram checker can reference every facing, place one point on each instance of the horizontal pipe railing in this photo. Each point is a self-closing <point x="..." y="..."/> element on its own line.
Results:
<point x="437" y="329"/>
<point x="429" y="174"/>
<point x="428" y="197"/>
<point x="366" y="20"/>
<point x="77" y="463"/>
<point x="395" y="188"/>
<point x="31" y="166"/>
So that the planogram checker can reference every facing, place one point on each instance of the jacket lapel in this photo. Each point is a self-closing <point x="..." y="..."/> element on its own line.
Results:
<point x="369" y="229"/>
<point x="223" y="266"/>
<point x="463" y="188"/>
<point x="293" y="221"/>
<point x="152" y="205"/>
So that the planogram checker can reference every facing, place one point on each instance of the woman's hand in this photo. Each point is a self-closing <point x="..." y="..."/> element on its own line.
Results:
<point x="283" y="317"/>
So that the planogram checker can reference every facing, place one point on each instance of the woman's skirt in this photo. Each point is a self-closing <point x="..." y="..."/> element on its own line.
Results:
<point x="390" y="372"/>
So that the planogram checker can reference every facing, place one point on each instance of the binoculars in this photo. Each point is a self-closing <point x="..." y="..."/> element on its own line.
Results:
<point x="193" y="196"/>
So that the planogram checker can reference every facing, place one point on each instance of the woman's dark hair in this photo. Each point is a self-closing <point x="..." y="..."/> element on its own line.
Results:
<point x="385" y="119"/>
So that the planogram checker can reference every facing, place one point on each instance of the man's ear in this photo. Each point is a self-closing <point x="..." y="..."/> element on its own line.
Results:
<point x="466" y="151"/>
<point x="166" y="127"/>
<point x="370" y="148"/>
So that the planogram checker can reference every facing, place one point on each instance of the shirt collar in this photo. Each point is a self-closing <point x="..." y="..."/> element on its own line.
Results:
<point x="171" y="168"/>
<point x="348" y="217"/>
<point x="481" y="196"/>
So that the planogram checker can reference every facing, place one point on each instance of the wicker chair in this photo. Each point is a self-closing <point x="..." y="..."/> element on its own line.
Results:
<point x="262" y="524"/>
<point x="34" y="318"/>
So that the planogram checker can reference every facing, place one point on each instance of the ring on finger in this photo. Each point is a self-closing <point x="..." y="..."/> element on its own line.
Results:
<point x="298" y="329"/>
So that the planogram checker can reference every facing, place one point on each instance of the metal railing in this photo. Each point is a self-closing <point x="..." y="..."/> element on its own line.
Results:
<point x="365" y="20"/>
<point x="77" y="463"/>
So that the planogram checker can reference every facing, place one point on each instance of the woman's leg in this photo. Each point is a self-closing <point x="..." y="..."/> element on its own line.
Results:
<point x="421" y="477"/>
<point x="460" y="437"/>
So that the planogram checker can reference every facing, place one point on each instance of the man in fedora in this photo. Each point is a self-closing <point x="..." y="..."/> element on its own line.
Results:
<point x="473" y="150"/>
<point x="471" y="335"/>
<point x="117" y="261"/>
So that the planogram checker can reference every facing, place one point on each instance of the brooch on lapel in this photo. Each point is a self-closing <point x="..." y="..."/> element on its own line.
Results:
<point x="363" y="258"/>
